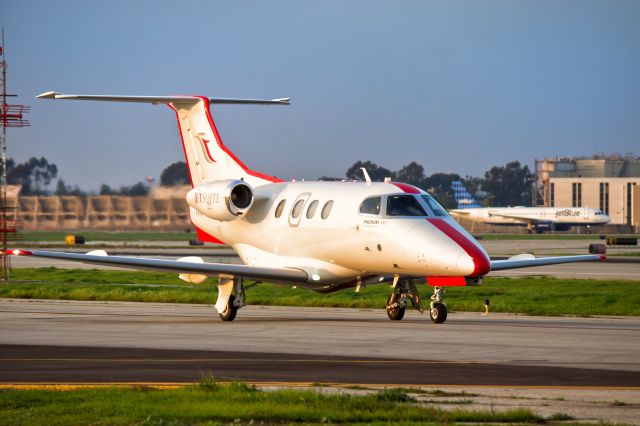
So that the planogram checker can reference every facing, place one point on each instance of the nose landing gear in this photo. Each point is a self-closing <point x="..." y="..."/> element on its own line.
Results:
<point x="438" y="310"/>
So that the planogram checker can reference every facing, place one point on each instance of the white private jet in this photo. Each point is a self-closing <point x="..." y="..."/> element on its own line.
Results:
<point x="324" y="236"/>
<point x="537" y="219"/>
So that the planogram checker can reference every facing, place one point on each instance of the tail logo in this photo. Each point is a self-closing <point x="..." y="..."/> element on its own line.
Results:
<point x="206" y="149"/>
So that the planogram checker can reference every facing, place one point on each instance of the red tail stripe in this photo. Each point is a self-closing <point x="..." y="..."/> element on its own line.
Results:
<point x="225" y="149"/>
<point x="480" y="260"/>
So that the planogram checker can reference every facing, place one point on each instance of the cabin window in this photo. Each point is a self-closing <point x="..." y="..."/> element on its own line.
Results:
<point x="280" y="208"/>
<point x="311" y="211"/>
<point x="404" y="205"/>
<point x="297" y="209"/>
<point x="435" y="207"/>
<point x="371" y="206"/>
<point x="326" y="210"/>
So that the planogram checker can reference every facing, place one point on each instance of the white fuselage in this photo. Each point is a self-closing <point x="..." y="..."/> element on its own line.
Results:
<point x="526" y="215"/>
<point x="342" y="244"/>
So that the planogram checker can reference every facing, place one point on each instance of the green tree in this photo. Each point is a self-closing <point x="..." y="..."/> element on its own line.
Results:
<point x="412" y="173"/>
<point x="34" y="175"/>
<point x="509" y="185"/>
<point x="136" y="189"/>
<point x="175" y="174"/>
<point x="439" y="185"/>
<point x="106" y="189"/>
<point x="63" y="189"/>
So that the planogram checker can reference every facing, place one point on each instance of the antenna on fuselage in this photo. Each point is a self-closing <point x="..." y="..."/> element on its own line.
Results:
<point x="366" y="175"/>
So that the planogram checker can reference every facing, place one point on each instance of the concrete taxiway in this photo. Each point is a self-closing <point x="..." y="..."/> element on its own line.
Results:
<point x="70" y="341"/>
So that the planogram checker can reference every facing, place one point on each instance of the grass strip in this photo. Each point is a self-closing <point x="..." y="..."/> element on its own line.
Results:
<point x="527" y="295"/>
<point x="594" y="236"/>
<point x="212" y="403"/>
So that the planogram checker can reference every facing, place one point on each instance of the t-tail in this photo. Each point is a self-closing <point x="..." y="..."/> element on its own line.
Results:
<point x="464" y="199"/>
<point x="208" y="159"/>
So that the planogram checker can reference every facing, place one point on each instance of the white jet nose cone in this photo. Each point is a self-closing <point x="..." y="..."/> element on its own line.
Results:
<point x="465" y="264"/>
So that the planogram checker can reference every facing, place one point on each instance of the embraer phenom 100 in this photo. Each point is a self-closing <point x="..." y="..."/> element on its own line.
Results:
<point x="324" y="236"/>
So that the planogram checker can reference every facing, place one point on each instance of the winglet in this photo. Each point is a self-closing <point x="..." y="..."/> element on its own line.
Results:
<point x="47" y="95"/>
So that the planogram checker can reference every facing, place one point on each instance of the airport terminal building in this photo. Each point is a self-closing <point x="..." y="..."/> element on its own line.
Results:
<point x="608" y="183"/>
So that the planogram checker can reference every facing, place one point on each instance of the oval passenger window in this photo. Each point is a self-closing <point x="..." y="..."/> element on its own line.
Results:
<point x="312" y="209"/>
<point x="280" y="208"/>
<point x="326" y="210"/>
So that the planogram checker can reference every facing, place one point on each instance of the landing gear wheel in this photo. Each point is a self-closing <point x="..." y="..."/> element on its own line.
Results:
<point x="395" y="314"/>
<point x="438" y="313"/>
<point x="230" y="311"/>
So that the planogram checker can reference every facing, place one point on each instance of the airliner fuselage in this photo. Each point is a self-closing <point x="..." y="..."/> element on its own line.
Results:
<point x="560" y="218"/>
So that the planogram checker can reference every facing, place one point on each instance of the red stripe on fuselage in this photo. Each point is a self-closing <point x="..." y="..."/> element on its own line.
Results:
<point x="480" y="260"/>
<point x="405" y="187"/>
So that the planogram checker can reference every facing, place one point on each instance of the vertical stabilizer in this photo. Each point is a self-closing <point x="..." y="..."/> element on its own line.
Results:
<point x="464" y="199"/>
<point x="208" y="159"/>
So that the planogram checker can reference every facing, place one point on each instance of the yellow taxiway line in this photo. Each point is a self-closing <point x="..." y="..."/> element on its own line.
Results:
<point x="167" y="385"/>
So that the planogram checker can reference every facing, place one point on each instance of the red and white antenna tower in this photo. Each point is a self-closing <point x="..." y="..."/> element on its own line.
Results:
<point x="11" y="115"/>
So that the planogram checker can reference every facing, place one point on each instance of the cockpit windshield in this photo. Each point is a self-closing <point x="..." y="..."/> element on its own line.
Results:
<point x="404" y="205"/>
<point x="599" y="213"/>
<point x="435" y="207"/>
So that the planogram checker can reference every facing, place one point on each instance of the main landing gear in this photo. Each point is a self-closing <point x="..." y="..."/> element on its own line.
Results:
<point x="406" y="289"/>
<point x="230" y="311"/>
<point x="228" y="303"/>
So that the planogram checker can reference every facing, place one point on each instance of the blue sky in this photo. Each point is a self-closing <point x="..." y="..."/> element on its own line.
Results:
<point x="456" y="86"/>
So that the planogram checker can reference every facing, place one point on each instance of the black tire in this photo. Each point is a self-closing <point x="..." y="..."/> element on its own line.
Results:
<point x="395" y="314"/>
<point x="231" y="311"/>
<point x="438" y="313"/>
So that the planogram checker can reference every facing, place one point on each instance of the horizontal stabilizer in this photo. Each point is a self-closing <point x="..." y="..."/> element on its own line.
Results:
<point x="160" y="99"/>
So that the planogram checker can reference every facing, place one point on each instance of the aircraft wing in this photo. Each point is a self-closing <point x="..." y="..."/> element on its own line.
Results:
<point x="99" y="257"/>
<point x="518" y="218"/>
<point x="526" y="261"/>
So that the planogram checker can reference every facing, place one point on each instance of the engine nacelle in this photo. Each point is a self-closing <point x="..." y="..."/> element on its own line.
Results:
<point x="224" y="200"/>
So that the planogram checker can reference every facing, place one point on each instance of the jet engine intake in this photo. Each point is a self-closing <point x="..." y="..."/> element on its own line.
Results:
<point x="225" y="200"/>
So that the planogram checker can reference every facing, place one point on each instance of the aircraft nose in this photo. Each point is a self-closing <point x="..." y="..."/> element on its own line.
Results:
<point x="466" y="264"/>
<point x="474" y="260"/>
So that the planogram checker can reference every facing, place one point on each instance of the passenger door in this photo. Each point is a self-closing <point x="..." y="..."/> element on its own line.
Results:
<point x="297" y="209"/>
